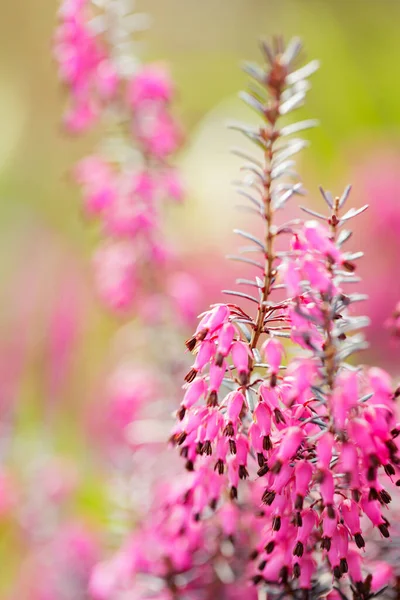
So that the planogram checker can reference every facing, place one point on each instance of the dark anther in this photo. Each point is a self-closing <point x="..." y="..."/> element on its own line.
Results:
<point x="389" y="469"/>
<point x="326" y="543"/>
<point x="344" y="567"/>
<point x="268" y="497"/>
<point x="232" y="446"/>
<point x="267" y="444"/>
<point x="233" y="492"/>
<point x="263" y="471"/>
<point x="284" y="574"/>
<point x="213" y="503"/>
<point x="298" y="520"/>
<point x="279" y="418"/>
<point x="181" y="412"/>
<point x="391" y="446"/>
<point x="212" y="399"/>
<point x="384" y="530"/>
<point x="337" y="572"/>
<point x="269" y="547"/>
<point x="331" y="511"/>
<point x="260" y="459"/>
<point x="359" y="540"/>
<point x="367" y="584"/>
<point x="299" y="502"/>
<point x="253" y="555"/>
<point x="181" y="438"/>
<point x="189" y="466"/>
<point x="385" y="497"/>
<point x="229" y="431"/>
<point x="277" y="467"/>
<point x="219" y="466"/>
<point x="189" y="377"/>
<point x="243" y="472"/>
<point x="276" y="523"/>
<point x="262" y="564"/>
<point x="298" y="549"/>
<point x="191" y="343"/>
<point x="373" y="494"/>
<point x="296" y="570"/>
<point x="207" y="448"/>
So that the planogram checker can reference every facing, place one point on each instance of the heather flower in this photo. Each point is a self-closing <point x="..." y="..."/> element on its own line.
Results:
<point x="180" y="551"/>
<point x="83" y="63"/>
<point x="126" y="181"/>
<point x="65" y="563"/>
<point x="115" y="270"/>
<point x="152" y="84"/>
<point x="96" y="177"/>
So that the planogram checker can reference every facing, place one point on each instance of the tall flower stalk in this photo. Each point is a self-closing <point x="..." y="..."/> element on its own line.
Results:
<point x="128" y="178"/>
<point x="227" y="332"/>
<point x="304" y="425"/>
<point x="282" y="460"/>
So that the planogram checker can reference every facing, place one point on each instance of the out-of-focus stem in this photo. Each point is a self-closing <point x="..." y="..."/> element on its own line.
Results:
<point x="329" y="345"/>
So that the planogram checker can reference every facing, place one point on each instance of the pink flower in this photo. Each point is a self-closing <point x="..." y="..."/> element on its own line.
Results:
<point x="185" y="292"/>
<point x="273" y="352"/>
<point x="98" y="181"/>
<point x="382" y="575"/>
<point x="151" y="84"/>
<point x="157" y="131"/>
<point x="172" y="185"/>
<point x="116" y="274"/>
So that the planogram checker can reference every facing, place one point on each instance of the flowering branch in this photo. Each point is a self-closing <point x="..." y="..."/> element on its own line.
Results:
<point x="127" y="180"/>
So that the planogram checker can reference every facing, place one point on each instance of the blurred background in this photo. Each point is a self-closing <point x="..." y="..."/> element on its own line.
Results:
<point x="46" y="243"/>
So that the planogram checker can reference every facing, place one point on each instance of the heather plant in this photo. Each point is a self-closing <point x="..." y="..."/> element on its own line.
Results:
<point x="283" y="458"/>
<point x="125" y="184"/>
<point x="128" y="178"/>
<point x="318" y="433"/>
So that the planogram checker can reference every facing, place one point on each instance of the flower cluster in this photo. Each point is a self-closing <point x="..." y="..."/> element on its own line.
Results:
<point x="317" y="432"/>
<point x="194" y="559"/>
<point x="287" y="460"/>
<point x="127" y="180"/>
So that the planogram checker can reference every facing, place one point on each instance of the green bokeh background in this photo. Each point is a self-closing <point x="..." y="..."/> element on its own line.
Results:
<point x="356" y="96"/>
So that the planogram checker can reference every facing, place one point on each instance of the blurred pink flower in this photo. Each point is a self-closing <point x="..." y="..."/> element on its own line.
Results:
<point x="97" y="179"/>
<point x="152" y="83"/>
<point x="115" y="271"/>
<point x="377" y="182"/>
<point x="185" y="292"/>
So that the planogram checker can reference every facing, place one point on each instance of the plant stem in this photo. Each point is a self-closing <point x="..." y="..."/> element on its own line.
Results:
<point x="269" y="135"/>
<point x="330" y="349"/>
